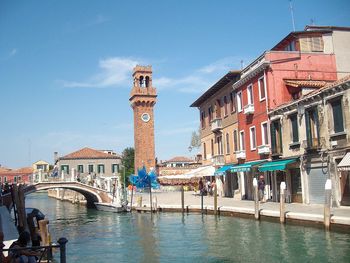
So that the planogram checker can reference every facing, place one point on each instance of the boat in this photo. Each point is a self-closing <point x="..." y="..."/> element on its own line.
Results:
<point x="118" y="205"/>
<point x="111" y="207"/>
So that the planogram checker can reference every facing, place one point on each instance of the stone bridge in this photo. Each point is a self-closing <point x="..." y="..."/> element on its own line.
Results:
<point x="91" y="194"/>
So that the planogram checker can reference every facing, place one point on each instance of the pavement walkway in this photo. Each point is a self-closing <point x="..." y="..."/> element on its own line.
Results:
<point x="314" y="213"/>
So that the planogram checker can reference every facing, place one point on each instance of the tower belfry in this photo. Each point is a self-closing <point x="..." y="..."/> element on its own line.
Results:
<point x="142" y="99"/>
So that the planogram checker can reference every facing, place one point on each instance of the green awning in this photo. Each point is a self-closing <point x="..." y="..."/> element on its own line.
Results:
<point x="245" y="167"/>
<point x="222" y="170"/>
<point x="279" y="165"/>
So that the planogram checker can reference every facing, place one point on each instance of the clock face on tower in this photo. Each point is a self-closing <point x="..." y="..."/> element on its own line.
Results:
<point x="145" y="117"/>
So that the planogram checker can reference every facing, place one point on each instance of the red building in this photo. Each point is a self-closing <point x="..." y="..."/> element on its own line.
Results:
<point x="22" y="175"/>
<point x="299" y="63"/>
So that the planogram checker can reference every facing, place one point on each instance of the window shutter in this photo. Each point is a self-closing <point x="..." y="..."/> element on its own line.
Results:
<point x="317" y="44"/>
<point x="273" y="137"/>
<point x="337" y="116"/>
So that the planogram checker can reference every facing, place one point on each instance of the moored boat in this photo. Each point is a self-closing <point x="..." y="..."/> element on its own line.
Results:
<point x="110" y="207"/>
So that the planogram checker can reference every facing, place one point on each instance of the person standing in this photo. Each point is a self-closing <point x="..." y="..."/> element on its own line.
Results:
<point x="200" y="186"/>
<point x="261" y="188"/>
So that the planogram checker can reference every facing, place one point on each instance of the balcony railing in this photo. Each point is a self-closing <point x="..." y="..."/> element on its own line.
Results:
<point x="264" y="149"/>
<point x="240" y="154"/>
<point x="249" y="109"/>
<point x="216" y="125"/>
<point x="218" y="160"/>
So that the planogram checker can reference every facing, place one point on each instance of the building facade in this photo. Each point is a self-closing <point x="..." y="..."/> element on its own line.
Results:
<point x="14" y="176"/>
<point x="88" y="163"/>
<point x="218" y="125"/>
<point x="315" y="130"/>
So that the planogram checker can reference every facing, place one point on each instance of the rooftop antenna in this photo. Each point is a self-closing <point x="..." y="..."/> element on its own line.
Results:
<point x="292" y="14"/>
<point x="242" y="64"/>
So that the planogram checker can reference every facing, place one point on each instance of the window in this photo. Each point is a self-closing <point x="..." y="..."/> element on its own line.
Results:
<point x="203" y="119"/>
<point x="100" y="168"/>
<point x="19" y="178"/>
<point x="338" y="122"/>
<point x="115" y="168"/>
<point x="264" y="134"/>
<point x="312" y="128"/>
<point x="80" y="168"/>
<point x="204" y="151"/>
<point x="290" y="46"/>
<point x="65" y="168"/>
<point x="5" y="179"/>
<point x="91" y="168"/>
<point x="227" y="143"/>
<point x="294" y="125"/>
<point x="276" y="137"/>
<point x="241" y="141"/>
<point x="250" y="94"/>
<point x="261" y="84"/>
<point x="218" y="108"/>
<point x="311" y="44"/>
<point x="15" y="179"/>
<point x="235" y="144"/>
<point x="252" y="138"/>
<point x="210" y="113"/>
<point x="212" y="147"/>
<point x="219" y="142"/>
<point x="225" y="106"/>
<point x="233" y="101"/>
<point x="239" y="101"/>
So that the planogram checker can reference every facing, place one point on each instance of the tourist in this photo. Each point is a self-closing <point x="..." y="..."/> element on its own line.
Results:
<point x="27" y="255"/>
<point x="220" y="187"/>
<point x="200" y="186"/>
<point x="208" y="185"/>
<point x="261" y="188"/>
<point x="213" y="186"/>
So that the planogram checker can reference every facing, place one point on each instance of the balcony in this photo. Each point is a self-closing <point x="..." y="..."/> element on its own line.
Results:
<point x="264" y="149"/>
<point x="312" y="145"/>
<point x="240" y="154"/>
<point x="216" y="125"/>
<point x="218" y="160"/>
<point x="249" y="109"/>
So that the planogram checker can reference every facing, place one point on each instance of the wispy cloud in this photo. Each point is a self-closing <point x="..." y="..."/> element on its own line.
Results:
<point x="114" y="71"/>
<point x="99" y="19"/>
<point x="200" y="79"/>
<point x="13" y="52"/>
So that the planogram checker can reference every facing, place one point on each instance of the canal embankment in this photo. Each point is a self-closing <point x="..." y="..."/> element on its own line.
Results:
<point x="294" y="212"/>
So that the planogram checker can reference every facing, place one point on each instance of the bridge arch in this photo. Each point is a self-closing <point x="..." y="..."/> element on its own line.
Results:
<point x="90" y="193"/>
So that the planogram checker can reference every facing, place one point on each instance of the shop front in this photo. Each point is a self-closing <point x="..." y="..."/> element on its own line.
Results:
<point x="284" y="170"/>
<point x="245" y="173"/>
<point x="230" y="181"/>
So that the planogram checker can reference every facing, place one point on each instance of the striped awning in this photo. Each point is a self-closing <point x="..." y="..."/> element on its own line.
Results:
<point x="344" y="164"/>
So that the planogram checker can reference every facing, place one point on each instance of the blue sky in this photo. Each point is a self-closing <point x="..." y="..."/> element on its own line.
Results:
<point x="65" y="66"/>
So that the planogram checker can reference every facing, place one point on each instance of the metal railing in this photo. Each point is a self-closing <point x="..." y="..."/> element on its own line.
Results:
<point x="44" y="250"/>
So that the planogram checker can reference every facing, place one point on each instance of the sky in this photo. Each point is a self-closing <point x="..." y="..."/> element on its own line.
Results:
<point x="65" y="66"/>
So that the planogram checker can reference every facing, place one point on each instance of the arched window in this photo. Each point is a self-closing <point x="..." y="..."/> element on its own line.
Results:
<point x="147" y="81"/>
<point x="141" y="81"/>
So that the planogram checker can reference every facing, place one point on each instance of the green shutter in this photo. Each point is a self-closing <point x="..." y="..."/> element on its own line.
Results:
<point x="295" y="132"/>
<point x="308" y="130"/>
<point x="337" y="116"/>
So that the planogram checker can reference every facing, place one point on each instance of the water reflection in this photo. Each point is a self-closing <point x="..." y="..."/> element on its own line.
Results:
<point x="175" y="237"/>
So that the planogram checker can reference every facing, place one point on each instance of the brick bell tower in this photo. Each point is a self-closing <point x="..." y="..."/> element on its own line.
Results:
<point x="142" y="99"/>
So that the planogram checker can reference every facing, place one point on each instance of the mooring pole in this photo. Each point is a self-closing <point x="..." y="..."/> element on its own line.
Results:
<point x="282" y="203"/>
<point x="62" y="241"/>
<point x="202" y="203"/>
<point x="132" y="195"/>
<point x="215" y="200"/>
<point x="256" y="199"/>
<point x="182" y="199"/>
<point x="327" y="204"/>
<point x="150" y="194"/>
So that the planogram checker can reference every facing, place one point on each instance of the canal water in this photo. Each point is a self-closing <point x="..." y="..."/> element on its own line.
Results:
<point x="95" y="236"/>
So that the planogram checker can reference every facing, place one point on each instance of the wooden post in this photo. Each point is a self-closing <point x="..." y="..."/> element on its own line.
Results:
<point x="327" y="204"/>
<point x="182" y="199"/>
<point x="139" y="201"/>
<point x="44" y="233"/>
<point x="215" y="200"/>
<point x="150" y="194"/>
<point x="283" y="202"/>
<point x="256" y="199"/>
<point x="202" y="204"/>
<point x="132" y="195"/>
